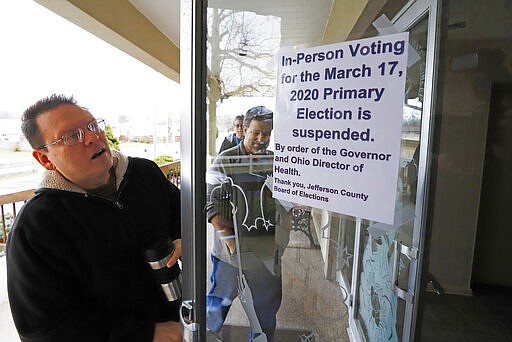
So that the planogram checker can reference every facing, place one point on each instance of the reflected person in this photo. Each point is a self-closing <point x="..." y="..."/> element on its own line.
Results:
<point x="236" y="137"/>
<point x="240" y="204"/>
<point x="75" y="256"/>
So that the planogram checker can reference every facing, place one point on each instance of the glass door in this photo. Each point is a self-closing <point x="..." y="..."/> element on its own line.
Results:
<point x="269" y="269"/>
<point x="266" y="269"/>
<point x="388" y="258"/>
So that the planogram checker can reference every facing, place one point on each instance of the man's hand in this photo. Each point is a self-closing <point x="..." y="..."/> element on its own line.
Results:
<point x="176" y="254"/>
<point x="231" y="245"/>
<point x="168" y="332"/>
<point x="223" y="229"/>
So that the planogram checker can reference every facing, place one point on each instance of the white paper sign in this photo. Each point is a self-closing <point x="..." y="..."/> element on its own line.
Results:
<point x="338" y="125"/>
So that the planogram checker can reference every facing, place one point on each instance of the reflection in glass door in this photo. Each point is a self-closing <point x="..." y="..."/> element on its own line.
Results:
<point x="387" y="261"/>
<point x="278" y="271"/>
<point x="271" y="266"/>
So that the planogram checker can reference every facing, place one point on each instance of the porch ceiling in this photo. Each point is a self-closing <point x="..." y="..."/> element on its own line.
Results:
<point x="149" y="29"/>
<point x="165" y="15"/>
<point x="304" y="22"/>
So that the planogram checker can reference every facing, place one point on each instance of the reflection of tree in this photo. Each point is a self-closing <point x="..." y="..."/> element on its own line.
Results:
<point x="241" y="49"/>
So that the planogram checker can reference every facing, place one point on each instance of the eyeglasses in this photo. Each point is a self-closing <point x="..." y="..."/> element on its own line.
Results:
<point x="77" y="135"/>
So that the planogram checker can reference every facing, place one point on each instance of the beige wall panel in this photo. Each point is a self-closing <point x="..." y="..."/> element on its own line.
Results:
<point x="350" y="19"/>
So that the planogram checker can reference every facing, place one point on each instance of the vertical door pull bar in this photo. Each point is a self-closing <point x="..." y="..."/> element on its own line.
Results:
<point x="411" y="253"/>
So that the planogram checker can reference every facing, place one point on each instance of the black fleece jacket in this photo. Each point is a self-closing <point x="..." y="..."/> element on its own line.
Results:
<point x="75" y="264"/>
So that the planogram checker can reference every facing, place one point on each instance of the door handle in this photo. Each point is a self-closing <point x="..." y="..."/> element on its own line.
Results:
<point x="190" y="328"/>
<point x="411" y="253"/>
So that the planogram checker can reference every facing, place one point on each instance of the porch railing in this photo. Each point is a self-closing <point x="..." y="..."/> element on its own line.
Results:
<point x="11" y="203"/>
<point x="172" y="172"/>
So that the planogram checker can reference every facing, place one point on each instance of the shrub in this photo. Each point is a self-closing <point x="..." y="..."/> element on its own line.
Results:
<point x="113" y="142"/>
<point x="9" y="220"/>
<point x="163" y="159"/>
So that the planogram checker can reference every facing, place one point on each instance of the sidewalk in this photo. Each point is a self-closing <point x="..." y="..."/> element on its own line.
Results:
<point x="7" y="330"/>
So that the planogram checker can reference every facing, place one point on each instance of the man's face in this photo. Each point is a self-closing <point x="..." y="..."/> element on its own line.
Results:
<point x="257" y="136"/>
<point x="86" y="163"/>
<point x="239" y="128"/>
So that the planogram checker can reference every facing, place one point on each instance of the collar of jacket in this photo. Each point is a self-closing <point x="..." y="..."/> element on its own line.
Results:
<point x="52" y="179"/>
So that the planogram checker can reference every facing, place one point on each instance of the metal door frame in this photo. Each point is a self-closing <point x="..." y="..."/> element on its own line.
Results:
<point x="193" y="162"/>
<point x="410" y="14"/>
<point x="416" y="12"/>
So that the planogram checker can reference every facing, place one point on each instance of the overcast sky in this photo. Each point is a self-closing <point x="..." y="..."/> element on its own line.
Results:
<point x="42" y="53"/>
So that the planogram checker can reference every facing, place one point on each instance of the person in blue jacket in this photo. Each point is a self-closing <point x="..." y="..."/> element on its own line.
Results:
<point x="236" y="137"/>
<point x="75" y="256"/>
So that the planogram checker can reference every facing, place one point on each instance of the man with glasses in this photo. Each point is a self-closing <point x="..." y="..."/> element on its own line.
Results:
<point x="75" y="256"/>
<point x="251" y="230"/>
<point x="234" y="138"/>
